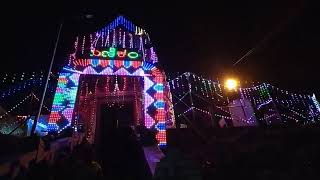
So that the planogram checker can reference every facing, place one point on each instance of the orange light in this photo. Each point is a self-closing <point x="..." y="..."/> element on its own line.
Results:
<point x="231" y="84"/>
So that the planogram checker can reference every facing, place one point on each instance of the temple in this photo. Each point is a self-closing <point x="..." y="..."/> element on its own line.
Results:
<point x="112" y="77"/>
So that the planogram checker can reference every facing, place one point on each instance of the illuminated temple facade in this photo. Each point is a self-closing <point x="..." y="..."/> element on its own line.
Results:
<point x="114" y="66"/>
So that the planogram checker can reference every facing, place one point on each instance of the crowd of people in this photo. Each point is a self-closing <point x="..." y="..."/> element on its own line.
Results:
<point x="78" y="164"/>
<point x="120" y="155"/>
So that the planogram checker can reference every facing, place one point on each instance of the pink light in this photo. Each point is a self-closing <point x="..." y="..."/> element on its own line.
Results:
<point x="160" y="116"/>
<point x="59" y="90"/>
<point x="148" y="100"/>
<point x="104" y="63"/>
<point x="159" y="79"/>
<point x="107" y="71"/>
<point x="148" y="121"/>
<point x="161" y="137"/>
<point x="89" y="70"/>
<point x="147" y="83"/>
<point x="136" y="64"/>
<point x="158" y="96"/>
<point x="122" y="72"/>
<point x="138" y="72"/>
<point x="68" y="113"/>
<point x="118" y="63"/>
<point x="156" y="72"/>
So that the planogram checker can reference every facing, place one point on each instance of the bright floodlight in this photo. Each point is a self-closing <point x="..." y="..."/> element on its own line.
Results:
<point x="231" y="84"/>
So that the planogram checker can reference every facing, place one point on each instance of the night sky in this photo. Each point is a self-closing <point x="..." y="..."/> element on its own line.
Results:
<point x="197" y="36"/>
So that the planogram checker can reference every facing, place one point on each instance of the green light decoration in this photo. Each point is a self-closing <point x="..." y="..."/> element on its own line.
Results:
<point x="133" y="55"/>
<point x="113" y="53"/>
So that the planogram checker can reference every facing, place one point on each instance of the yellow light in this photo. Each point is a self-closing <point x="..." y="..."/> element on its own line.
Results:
<point x="231" y="84"/>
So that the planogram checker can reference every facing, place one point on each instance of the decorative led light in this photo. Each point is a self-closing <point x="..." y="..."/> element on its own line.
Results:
<point x="83" y="42"/>
<point x="14" y="107"/>
<point x="161" y="126"/>
<point x="131" y="40"/>
<point x="159" y="104"/>
<point x="147" y="66"/>
<point x="133" y="55"/>
<point x="119" y="41"/>
<point x="108" y="39"/>
<point x="316" y="103"/>
<point x="114" y="38"/>
<point x="158" y="87"/>
<point x="155" y="91"/>
<point x="148" y="100"/>
<point x="122" y="54"/>
<point x="127" y="64"/>
<point x="107" y="71"/>
<point x="148" y="120"/>
<point x="65" y="78"/>
<point x="124" y="40"/>
<point x="114" y="53"/>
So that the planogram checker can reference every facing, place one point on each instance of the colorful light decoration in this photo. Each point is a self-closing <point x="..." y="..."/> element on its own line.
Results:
<point x="111" y="52"/>
<point x="286" y="105"/>
<point x="63" y="102"/>
<point x="14" y="107"/>
<point x="109" y="61"/>
<point x="114" y="53"/>
<point x="267" y="99"/>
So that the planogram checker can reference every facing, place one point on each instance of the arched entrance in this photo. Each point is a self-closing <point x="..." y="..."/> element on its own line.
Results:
<point x="119" y="52"/>
<point x="120" y="95"/>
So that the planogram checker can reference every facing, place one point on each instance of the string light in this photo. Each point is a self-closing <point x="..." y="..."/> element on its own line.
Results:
<point x="131" y="40"/>
<point x="114" y="38"/>
<point x="14" y="107"/>
<point x="83" y="42"/>
<point x="107" y="44"/>
<point x="124" y="40"/>
<point x="39" y="100"/>
<point x="262" y="97"/>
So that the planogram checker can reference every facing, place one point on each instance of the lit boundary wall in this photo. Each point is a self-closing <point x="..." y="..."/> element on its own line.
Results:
<point x="154" y="84"/>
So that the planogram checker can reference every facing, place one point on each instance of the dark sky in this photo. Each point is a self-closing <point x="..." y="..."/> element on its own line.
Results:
<point x="197" y="36"/>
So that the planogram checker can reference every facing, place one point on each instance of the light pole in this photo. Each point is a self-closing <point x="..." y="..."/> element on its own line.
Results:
<point x="87" y="16"/>
<point x="47" y="80"/>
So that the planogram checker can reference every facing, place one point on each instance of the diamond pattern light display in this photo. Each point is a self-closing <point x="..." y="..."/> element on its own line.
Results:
<point x="89" y="70"/>
<point x="138" y="72"/>
<point x="158" y="87"/>
<point x="148" y="100"/>
<point x="125" y="57"/>
<point x="122" y="72"/>
<point x="63" y="102"/>
<point x="159" y="104"/>
<point x="66" y="91"/>
<point x="161" y="126"/>
<point x="147" y="83"/>
<point x="107" y="70"/>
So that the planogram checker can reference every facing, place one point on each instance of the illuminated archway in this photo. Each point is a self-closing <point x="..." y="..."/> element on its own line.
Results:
<point x="110" y="61"/>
